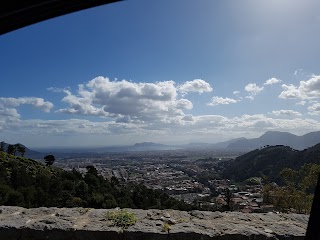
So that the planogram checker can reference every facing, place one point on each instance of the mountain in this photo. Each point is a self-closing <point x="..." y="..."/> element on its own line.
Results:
<point x="151" y="146"/>
<point x="227" y="143"/>
<point x="269" y="162"/>
<point x="277" y="138"/>
<point x="29" y="153"/>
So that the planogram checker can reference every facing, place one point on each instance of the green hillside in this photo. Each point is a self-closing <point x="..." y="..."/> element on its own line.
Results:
<point x="28" y="183"/>
<point x="268" y="162"/>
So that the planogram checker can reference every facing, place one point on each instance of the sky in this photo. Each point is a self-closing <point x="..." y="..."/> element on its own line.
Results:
<point x="166" y="71"/>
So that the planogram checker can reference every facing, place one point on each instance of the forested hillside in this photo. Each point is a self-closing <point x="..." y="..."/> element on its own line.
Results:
<point x="268" y="162"/>
<point x="28" y="183"/>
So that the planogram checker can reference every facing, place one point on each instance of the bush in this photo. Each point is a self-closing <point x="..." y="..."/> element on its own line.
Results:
<point x="121" y="218"/>
<point x="166" y="227"/>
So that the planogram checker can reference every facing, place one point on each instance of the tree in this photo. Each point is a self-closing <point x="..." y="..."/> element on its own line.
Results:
<point x="21" y="149"/>
<point x="2" y="146"/>
<point x="11" y="149"/>
<point x="49" y="160"/>
<point x="92" y="170"/>
<point x="228" y="195"/>
<point x="297" y="192"/>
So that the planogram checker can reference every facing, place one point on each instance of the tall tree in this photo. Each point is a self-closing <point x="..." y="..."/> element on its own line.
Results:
<point x="11" y="149"/>
<point x="49" y="160"/>
<point x="21" y="149"/>
<point x="2" y="146"/>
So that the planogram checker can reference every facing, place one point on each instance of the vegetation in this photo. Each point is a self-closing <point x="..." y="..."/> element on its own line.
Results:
<point x="49" y="160"/>
<point x="28" y="183"/>
<point x="268" y="163"/>
<point x="12" y="149"/>
<point x="121" y="218"/>
<point x="297" y="192"/>
<point x="166" y="227"/>
<point x="289" y="176"/>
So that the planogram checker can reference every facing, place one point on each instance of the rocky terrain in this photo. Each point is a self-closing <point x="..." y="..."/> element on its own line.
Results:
<point x="91" y="224"/>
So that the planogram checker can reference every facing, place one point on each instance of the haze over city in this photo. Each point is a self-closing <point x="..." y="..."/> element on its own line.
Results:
<point x="162" y="71"/>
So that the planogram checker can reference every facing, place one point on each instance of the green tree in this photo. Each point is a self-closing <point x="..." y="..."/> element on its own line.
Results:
<point x="2" y="146"/>
<point x="297" y="192"/>
<point x="21" y="149"/>
<point x="92" y="170"/>
<point x="11" y="149"/>
<point x="228" y="195"/>
<point x="49" y="160"/>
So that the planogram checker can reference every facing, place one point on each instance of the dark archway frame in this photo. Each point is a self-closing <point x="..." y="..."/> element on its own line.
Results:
<point x="15" y="14"/>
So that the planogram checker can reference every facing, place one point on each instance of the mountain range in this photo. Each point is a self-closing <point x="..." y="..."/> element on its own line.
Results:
<point x="271" y="138"/>
<point x="242" y="144"/>
<point x="277" y="138"/>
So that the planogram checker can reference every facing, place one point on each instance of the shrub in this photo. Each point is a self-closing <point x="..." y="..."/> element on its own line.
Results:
<point x="166" y="227"/>
<point x="121" y="218"/>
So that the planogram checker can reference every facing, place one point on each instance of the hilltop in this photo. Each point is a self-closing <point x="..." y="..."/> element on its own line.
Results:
<point x="269" y="162"/>
<point x="28" y="152"/>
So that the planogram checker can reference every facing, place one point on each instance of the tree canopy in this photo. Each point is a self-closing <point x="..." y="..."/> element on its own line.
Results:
<point x="49" y="160"/>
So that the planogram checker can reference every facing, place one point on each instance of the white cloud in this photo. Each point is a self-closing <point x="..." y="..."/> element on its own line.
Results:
<point x="198" y="128"/>
<point x="236" y="92"/>
<point x="188" y="118"/>
<point x="301" y="103"/>
<point x="298" y="72"/>
<point x="36" y="102"/>
<point x="196" y="85"/>
<point x="253" y="89"/>
<point x="272" y="81"/>
<point x="220" y="100"/>
<point x="285" y="113"/>
<point x="56" y="90"/>
<point x="8" y="113"/>
<point x="314" y="109"/>
<point x="135" y="101"/>
<point x="249" y="97"/>
<point x="309" y="89"/>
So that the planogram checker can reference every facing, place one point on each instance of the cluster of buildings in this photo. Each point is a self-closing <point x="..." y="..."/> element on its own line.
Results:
<point x="246" y="199"/>
<point x="174" y="182"/>
<point x="182" y="179"/>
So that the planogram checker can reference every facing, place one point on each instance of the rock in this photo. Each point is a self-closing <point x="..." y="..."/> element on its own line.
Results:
<point x="167" y="215"/>
<point x="80" y="224"/>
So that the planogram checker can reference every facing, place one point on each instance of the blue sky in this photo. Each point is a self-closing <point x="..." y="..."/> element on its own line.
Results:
<point x="164" y="71"/>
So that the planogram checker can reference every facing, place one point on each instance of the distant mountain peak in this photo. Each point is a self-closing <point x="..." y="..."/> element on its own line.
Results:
<point x="278" y="138"/>
<point x="273" y="133"/>
<point x="147" y="144"/>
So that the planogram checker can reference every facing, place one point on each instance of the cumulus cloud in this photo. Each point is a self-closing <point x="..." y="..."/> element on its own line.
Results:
<point x="314" y="109"/>
<point x="39" y="103"/>
<point x="272" y="81"/>
<point x="136" y="101"/>
<point x="56" y="90"/>
<point x="249" y="97"/>
<point x="236" y="92"/>
<point x="188" y="118"/>
<point x="123" y="131"/>
<point x="253" y="89"/>
<point x="285" y="113"/>
<point x="301" y="103"/>
<point x="309" y="89"/>
<point x="196" y="85"/>
<point x="220" y="100"/>
<point x="8" y="113"/>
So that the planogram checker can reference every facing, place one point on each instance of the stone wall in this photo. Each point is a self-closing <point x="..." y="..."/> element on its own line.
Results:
<point x="91" y="224"/>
